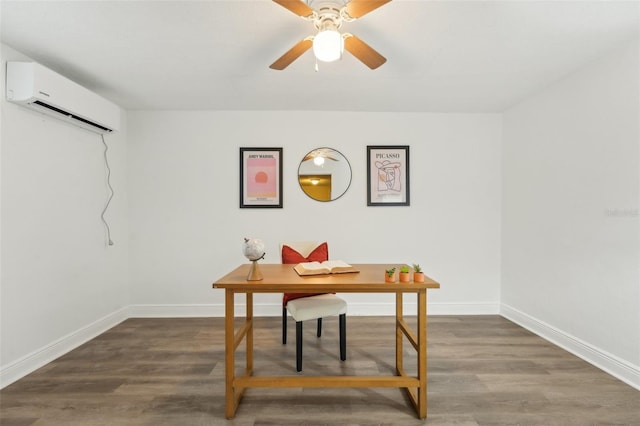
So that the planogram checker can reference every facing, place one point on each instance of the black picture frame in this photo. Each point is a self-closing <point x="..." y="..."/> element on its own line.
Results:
<point x="388" y="182"/>
<point x="261" y="178"/>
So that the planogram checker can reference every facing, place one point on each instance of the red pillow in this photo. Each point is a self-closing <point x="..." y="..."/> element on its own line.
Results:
<point x="319" y="254"/>
<point x="289" y="255"/>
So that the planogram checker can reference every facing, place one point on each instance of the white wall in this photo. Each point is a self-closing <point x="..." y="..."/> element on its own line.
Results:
<point x="187" y="227"/>
<point x="60" y="282"/>
<point x="570" y="235"/>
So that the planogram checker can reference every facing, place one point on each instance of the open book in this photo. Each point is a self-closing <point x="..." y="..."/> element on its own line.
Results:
<point x="326" y="267"/>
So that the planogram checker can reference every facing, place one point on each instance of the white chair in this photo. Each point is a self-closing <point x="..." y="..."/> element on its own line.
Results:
<point x="305" y="306"/>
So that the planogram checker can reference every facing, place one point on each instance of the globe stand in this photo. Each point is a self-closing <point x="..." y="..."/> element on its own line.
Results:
<point x="254" y="272"/>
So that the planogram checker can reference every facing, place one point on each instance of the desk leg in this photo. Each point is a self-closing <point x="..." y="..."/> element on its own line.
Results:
<point x="249" y="333"/>
<point x="229" y="353"/>
<point x="399" y="334"/>
<point x="422" y="353"/>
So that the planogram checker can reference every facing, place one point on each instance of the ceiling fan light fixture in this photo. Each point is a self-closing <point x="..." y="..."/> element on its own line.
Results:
<point x="328" y="44"/>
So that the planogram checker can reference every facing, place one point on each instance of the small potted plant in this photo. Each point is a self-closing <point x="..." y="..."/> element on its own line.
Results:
<point x="418" y="275"/>
<point x="404" y="274"/>
<point x="390" y="275"/>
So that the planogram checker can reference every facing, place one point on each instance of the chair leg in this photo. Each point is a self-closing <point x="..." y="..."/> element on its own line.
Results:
<point x="284" y="326"/>
<point x="319" y="327"/>
<point x="299" y="346"/>
<point x="343" y="336"/>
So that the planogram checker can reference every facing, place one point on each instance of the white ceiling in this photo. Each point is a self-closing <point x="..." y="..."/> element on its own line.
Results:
<point x="442" y="56"/>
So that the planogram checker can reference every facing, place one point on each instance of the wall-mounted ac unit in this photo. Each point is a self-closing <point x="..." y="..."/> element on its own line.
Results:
<point x="36" y="87"/>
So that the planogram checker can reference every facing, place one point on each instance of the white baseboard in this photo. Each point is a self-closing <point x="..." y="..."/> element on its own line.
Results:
<point x="605" y="361"/>
<point x="179" y="311"/>
<point x="463" y="309"/>
<point x="38" y="358"/>
<point x="274" y="309"/>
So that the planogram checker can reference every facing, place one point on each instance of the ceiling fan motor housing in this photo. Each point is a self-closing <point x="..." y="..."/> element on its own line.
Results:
<point x="328" y="13"/>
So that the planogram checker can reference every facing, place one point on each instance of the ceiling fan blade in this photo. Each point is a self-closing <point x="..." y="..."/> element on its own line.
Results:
<point x="296" y="6"/>
<point x="358" y="8"/>
<point x="292" y="54"/>
<point x="365" y="53"/>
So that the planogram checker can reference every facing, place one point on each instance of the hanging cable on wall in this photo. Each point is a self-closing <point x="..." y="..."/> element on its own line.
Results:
<point x="106" y="163"/>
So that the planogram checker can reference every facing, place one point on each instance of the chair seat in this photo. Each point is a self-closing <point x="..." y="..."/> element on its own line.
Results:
<point x="323" y="305"/>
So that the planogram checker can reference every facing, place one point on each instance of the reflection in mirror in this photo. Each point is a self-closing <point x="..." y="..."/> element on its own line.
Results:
<point x="324" y="174"/>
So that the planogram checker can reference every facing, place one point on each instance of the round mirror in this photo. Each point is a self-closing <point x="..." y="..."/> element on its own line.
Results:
<point x="324" y="174"/>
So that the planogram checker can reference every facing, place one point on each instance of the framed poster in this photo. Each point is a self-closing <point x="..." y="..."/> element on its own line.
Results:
<point x="260" y="177"/>
<point x="388" y="175"/>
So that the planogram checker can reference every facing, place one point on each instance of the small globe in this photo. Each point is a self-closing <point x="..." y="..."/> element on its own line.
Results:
<point x="253" y="249"/>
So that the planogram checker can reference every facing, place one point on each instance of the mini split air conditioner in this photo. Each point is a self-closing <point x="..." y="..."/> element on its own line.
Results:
<point x="36" y="87"/>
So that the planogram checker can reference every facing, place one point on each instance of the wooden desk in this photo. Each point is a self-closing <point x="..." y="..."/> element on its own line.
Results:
<point x="283" y="279"/>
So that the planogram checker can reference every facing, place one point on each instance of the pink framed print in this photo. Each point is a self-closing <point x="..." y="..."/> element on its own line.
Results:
<point x="260" y="177"/>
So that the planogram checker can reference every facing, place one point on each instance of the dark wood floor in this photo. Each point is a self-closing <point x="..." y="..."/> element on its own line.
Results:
<point x="483" y="370"/>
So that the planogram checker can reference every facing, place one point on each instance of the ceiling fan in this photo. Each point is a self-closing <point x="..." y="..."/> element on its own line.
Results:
<point x="328" y="44"/>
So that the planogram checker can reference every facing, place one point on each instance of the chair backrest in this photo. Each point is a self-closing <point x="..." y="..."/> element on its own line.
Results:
<point x="297" y="252"/>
